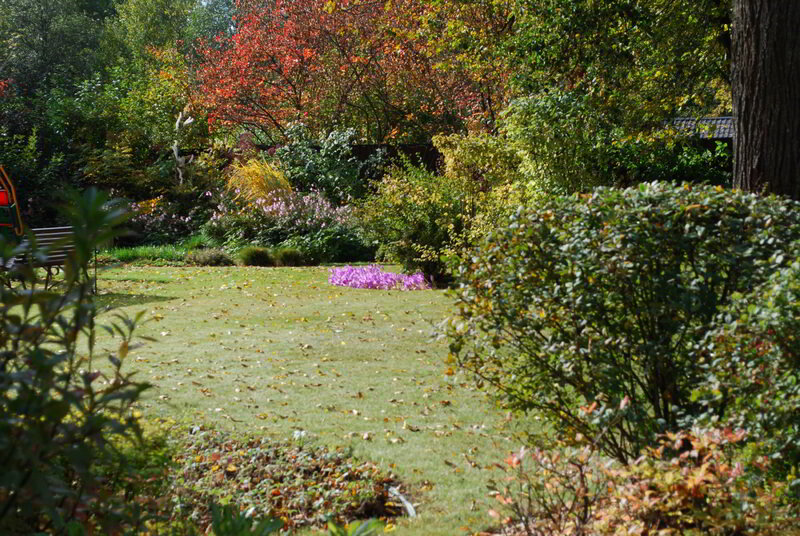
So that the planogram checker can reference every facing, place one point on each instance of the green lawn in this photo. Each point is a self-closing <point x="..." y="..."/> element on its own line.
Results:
<point x="269" y="351"/>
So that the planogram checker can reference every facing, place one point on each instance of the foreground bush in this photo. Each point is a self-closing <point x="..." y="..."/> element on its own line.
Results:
<point x="689" y="484"/>
<point x="62" y="418"/>
<point x="752" y="361"/>
<point x="593" y="299"/>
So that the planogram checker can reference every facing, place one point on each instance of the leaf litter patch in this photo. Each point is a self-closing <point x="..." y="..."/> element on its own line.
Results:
<point x="300" y="484"/>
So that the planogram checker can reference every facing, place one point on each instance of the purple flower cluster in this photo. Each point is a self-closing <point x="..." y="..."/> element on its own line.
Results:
<point x="375" y="278"/>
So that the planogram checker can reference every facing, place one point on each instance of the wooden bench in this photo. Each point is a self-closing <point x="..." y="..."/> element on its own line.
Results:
<point x="53" y="247"/>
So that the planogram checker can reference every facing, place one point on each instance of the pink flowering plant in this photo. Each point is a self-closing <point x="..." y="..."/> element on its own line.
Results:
<point x="373" y="277"/>
<point x="270" y="221"/>
<point x="309" y="222"/>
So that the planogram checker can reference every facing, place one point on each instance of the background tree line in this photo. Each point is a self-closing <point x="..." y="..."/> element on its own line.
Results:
<point x="90" y="90"/>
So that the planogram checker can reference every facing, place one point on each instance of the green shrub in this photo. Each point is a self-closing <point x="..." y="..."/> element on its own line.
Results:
<point x="669" y="160"/>
<point x="488" y="168"/>
<point x="197" y="241"/>
<point x="268" y="222"/>
<point x="332" y="244"/>
<point x="287" y="256"/>
<point x="484" y="159"/>
<point x="209" y="257"/>
<point x="752" y="362"/>
<point x="421" y="219"/>
<point x="565" y="146"/>
<point x="63" y="413"/>
<point x="597" y="298"/>
<point x="326" y="165"/>
<point x="256" y="256"/>
<point x="170" y="218"/>
<point x="418" y="219"/>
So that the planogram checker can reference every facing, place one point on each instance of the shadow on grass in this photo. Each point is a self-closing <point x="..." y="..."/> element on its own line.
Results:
<point x="126" y="279"/>
<point x="114" y="299"/>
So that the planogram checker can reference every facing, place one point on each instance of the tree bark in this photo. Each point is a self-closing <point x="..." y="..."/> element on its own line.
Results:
<point x="766" y="96"/>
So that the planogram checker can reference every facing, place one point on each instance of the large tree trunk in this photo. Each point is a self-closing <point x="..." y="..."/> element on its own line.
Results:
<point x="766" y="95"/>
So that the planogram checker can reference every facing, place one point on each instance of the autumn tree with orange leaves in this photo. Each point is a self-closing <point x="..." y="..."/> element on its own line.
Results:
<point x="362" y="64"/>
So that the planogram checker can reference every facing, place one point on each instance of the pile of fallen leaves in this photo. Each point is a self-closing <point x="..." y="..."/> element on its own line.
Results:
<point x="300" y="484"/>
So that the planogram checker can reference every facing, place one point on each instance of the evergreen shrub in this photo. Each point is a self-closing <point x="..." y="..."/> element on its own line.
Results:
<point x="422" y="219"/>
<point x="588" y="300"/>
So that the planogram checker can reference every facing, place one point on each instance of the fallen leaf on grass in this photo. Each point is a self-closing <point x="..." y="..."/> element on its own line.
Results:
<point x="410" y="427"/>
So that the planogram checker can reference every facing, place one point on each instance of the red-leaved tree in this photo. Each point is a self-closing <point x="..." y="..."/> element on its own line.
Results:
<point x="364" y="64"/>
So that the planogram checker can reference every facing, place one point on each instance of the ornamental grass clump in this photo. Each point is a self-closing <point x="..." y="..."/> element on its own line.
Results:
<point x="374" y="278"/>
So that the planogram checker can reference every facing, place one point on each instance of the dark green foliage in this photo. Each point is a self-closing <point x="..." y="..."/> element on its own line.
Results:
<point x="209" y="257"/>
<point x="287" y="256"/>
<point x="256" y="256"/>
<point x="752" y="362"/>
<point x="686" y="161"/>
<point x="327" y="165"/>
<point x="332" y="244"/>
<point x="567" y="147"/>
<point x="33" y="173"/>
<point x="601" y="298"/>
<point x="167" y="219"/>
<point x="61" y="418"/>
<point x="48" y="44"/>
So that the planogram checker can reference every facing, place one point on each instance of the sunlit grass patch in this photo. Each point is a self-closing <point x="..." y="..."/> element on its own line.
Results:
<point x="267" y="352"/>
